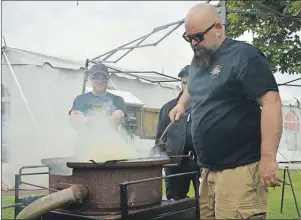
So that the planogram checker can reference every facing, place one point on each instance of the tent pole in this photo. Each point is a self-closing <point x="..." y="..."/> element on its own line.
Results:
<point x="21" y="91"/>
<point x="22" y="94"/>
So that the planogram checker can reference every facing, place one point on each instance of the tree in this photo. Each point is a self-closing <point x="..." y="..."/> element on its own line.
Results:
<point x="277" y="36"/>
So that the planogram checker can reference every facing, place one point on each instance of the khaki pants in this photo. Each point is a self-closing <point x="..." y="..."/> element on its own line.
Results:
<point x="233" y="194"/>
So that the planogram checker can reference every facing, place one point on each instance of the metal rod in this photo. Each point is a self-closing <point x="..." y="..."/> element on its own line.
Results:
<point x="139" y="46"/>
<point x="85" y="77"/>
<point x="17" y="189"/>
<point x="294" y="194"/>
<point x="136" y="76"/>
<point x="132" y="75"/>
<point x="42" y="187"/>
<point x="179" y="23"/>
<point x="166" y="129"/>
<point x="119" y="47"/>
<point x="132" y="48"/>
<point x="160" y="178"/>
<point x="30" y="174"/>
<point x="190" y="155"/>
<point x="22" y="93"/>
<point x="282" y="192"/>
<point x="123" y="47"/>
<point x="293" y="85"/>
<point x="294" y="80"/>
<point x="154" y="72"/>
<point x="109" y="61"/>
<point x="124" y="201"/>
<point x="108" y="56"/>
<point x="30" y="167"/>
<point x="162" y="81"/>
<point x="168" y="25"/>
<point x="94" y="61"/>
<point x="168" y="33"/>
<point x="11" y="205"/>
<point x="197" y="195"/>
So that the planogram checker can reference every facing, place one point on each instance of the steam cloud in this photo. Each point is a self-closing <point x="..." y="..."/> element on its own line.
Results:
<point x="27" y="145"/>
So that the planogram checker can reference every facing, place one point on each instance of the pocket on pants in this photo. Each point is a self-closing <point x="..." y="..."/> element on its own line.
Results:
<point x="253" y="172"/>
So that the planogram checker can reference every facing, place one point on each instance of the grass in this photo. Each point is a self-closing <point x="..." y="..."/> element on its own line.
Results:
<point x="289" y="209"/>
<point x="8" y="213"/>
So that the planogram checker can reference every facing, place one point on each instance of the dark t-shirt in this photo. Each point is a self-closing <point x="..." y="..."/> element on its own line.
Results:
<point x="225" y="115"/>
<point x="188" y="143"/>
<point x="88" y="103"/>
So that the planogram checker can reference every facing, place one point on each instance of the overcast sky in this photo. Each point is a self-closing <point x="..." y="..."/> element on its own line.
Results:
<point x="65" y="29"/>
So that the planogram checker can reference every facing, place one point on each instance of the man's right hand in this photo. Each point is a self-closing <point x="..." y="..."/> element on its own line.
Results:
<point x="176" y="113"/>
<point x="77" y="115"/>
<point x="77" y="119"/>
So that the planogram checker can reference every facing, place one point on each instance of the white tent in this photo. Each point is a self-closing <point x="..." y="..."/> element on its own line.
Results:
<point x="49" y="85"/>
<point x="290" y="145"/>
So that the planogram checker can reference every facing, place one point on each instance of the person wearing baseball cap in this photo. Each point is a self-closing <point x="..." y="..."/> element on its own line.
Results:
<point x="183" y="74"/>
<point x="178" y="142"/>
<point x="87" y="106"/>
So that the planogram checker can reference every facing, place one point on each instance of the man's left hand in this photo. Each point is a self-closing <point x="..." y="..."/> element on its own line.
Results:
<point x="269" y="172"/>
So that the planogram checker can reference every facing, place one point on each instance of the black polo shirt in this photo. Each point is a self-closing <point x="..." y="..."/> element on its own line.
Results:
<point x="225" y="115"/>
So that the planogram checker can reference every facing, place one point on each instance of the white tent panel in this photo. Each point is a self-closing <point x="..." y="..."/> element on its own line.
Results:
<point x="290" y="144"/>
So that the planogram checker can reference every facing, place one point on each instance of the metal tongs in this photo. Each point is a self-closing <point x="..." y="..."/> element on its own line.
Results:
<point x="190" y="155"/>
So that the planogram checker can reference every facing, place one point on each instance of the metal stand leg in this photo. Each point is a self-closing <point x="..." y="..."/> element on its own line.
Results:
<point x="197" y="196"/>
<point x="282" y="193"/>
<point x="286" y="170"/>
<point x="17" y="188"/>
<point x="294" y="194"/>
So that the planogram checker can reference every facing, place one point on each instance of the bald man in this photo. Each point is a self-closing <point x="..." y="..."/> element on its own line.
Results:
<point x="236" y="119"/>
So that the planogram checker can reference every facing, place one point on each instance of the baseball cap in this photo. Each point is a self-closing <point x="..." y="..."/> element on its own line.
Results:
<point x="184" y="71"/>
<point x="98" y="70"/>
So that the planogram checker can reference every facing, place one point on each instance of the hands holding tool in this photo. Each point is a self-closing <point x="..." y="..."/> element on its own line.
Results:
<point x="269" y="172"/>
<point x="177" y="112"/>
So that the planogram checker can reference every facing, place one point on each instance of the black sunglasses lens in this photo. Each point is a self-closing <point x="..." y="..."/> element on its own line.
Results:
<point x="198" y="37"/>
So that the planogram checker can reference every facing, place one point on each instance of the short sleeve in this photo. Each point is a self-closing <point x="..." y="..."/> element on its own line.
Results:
<point x="119" y="104"/>
<point x="76" y="105"/>
<point x="256" y="78"/>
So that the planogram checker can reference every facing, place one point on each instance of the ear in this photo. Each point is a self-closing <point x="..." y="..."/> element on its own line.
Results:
<point x="219" y="26"/>
<point x="219" y="29"/>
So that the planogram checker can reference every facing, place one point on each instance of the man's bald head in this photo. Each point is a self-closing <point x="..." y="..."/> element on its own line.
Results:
<point x="200" y="17"/>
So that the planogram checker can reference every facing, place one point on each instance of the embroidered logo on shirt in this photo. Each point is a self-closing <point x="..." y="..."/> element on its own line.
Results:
<point x="215" y="71"/>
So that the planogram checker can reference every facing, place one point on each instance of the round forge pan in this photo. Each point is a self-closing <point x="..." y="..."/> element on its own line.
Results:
<point x="139" y="163"/>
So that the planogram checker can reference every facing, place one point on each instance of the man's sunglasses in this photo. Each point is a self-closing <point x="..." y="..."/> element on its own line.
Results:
<point x="198" y="37"/>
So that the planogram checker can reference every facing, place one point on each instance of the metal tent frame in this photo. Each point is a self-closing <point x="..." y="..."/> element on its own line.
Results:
<point x="224" y="11"/>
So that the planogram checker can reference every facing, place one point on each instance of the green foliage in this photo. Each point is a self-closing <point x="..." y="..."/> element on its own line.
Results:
<point x="278" y="36"/>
